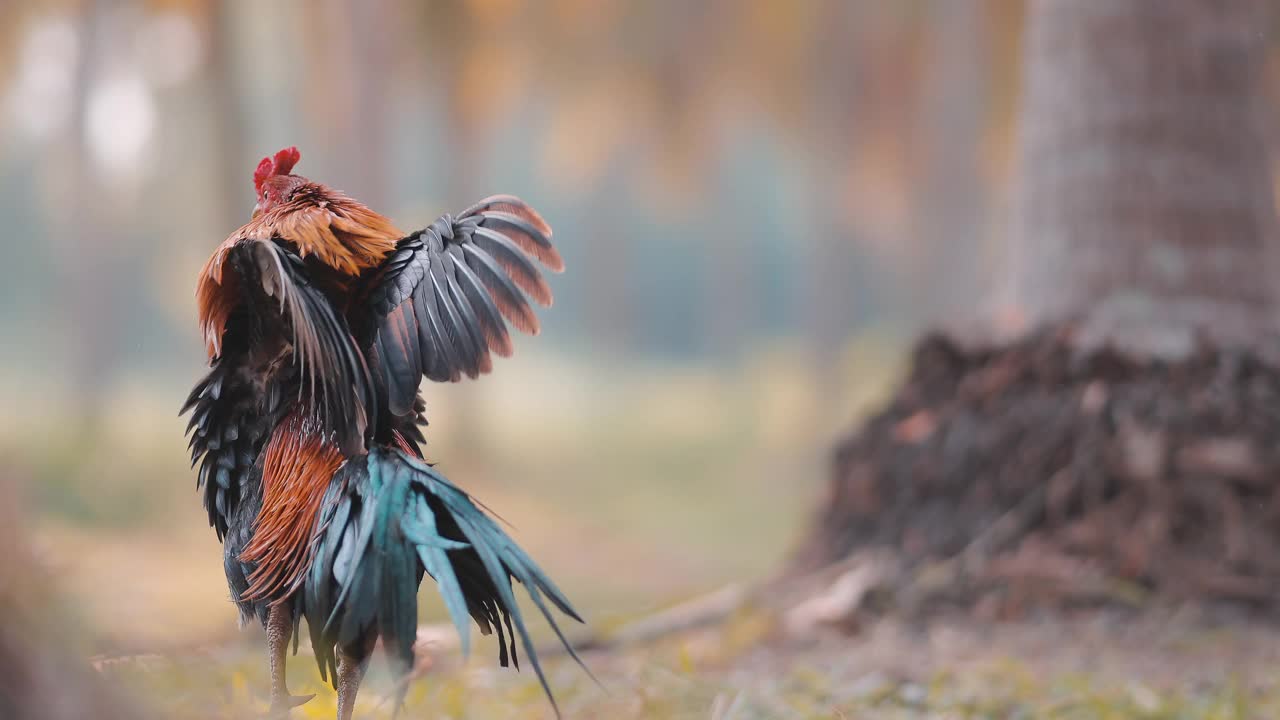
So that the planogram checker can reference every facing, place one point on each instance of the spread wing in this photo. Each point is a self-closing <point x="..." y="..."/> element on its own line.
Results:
<point x="442" y="301"/>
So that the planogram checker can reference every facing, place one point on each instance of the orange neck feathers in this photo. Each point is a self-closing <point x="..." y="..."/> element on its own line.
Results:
<point x="342" y="233"/>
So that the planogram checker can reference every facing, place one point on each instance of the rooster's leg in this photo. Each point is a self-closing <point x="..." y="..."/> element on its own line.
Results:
<point x="350" y="673"/>
<point x="279" y="630"/>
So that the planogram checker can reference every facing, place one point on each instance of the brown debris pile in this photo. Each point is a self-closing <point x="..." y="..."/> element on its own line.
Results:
<point x="1025" y="473"/>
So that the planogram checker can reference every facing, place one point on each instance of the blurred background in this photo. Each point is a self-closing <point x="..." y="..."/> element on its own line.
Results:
<point x="760" y="204"/>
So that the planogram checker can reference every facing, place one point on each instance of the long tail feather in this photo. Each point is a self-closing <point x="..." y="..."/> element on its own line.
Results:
<point x="387" y="519"/>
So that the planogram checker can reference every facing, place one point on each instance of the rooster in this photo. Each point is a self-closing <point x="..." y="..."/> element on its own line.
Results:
<point x="320" y="319"/>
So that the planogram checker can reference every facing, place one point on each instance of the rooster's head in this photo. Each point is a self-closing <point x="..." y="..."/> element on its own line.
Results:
<point x="274" y="181"/>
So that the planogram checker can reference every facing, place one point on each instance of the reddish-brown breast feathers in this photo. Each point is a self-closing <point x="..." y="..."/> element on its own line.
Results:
<point x="341" y="233"/>
<point x="297" y="469"/>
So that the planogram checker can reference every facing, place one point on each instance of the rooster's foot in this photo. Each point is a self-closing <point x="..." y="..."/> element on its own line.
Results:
<point x="282" y="704"/>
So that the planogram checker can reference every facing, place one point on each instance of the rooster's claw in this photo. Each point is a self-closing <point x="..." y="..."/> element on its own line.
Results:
<point x="282" y="704"/>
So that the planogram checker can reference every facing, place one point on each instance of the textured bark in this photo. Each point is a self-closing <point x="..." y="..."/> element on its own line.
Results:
<point x="1050" y="466"/>
<point x="1146" y="203"/>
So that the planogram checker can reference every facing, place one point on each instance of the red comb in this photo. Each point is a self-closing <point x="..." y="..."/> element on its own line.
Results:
<point x="281" y="164"/>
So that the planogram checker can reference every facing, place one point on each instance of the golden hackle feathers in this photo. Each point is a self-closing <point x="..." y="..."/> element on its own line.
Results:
<point x="342" y="233"/>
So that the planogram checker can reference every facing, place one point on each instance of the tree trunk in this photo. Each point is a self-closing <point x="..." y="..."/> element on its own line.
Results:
<point x="88" y="246"/>
<point x="825" y="295"/>
<point x="363" y="41"/>
<point x="1126" y="438"/>
<point x="951" y="206"/>
<point x="1146" y="206"/>
<point x="234" y="199"/>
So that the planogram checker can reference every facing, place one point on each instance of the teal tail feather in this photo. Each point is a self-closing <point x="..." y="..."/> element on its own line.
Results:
<point x="386" y="519"/>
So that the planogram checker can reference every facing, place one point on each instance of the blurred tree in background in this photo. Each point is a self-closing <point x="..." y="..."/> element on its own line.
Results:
<point x="1126" y="433"/>
<point x="1147" y="204"/>
<point x="823" y="171"/>
<point x="675" y="140"/>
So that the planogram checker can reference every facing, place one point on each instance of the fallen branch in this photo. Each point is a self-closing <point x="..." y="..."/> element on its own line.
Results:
<point x="699" y="612"/>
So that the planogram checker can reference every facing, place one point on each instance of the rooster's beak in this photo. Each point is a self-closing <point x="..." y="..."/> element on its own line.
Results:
<point x="257" y="210"/>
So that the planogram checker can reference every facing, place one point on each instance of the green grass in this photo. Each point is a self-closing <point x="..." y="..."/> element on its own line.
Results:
<point x="682" y="679"/>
